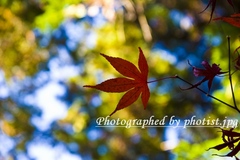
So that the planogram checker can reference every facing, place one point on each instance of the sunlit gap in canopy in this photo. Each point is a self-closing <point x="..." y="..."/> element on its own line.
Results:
<point x="179" y="55"/>
<point x="173" y="135"/>
<point x="94" y="134"/>
<point x="52" y="108"/>
<point x="4" y="91"/>
<point x="96" y="101"/>
<point x="46" y="97"/>
<point x="43" y="151"/>
<point x="180" y="19"/>
<point x="7" y="144"/>
<point x="164" y="53"/>
<point x="171" y="138"/>
<point x="91" y="14"/>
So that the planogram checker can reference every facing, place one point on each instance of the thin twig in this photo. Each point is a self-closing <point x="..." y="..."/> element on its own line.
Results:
<point x="230" y="75"/>
<point x="207" y="94"/>
<point x="156" y="80"/>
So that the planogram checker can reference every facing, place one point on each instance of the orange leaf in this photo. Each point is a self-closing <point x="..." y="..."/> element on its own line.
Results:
<point x="234" y="19"/>
<point x="135" y="86"/>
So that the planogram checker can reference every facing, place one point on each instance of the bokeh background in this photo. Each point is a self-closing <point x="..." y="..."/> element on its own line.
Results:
<point x="50" y="49"/>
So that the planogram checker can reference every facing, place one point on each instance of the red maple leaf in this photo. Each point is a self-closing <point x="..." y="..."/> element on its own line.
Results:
<point x="234" y="19"/>
<point x="134" y="82"/>
<point x="213" y="3"/>
<point x="209" y="73"/>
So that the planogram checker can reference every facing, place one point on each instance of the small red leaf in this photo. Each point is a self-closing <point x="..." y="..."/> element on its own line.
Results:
<point x="209" y="73"/>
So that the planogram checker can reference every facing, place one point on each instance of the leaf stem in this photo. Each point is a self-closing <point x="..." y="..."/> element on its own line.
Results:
<point x="230" y="75"/>
<point x="207" y="93"/>
<point x="156" y="80"/>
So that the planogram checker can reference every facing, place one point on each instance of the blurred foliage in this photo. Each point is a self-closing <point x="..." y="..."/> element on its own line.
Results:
<point x="170" y="32"/>
<point x="19" y="54"/>
<point x="52" y="13"/>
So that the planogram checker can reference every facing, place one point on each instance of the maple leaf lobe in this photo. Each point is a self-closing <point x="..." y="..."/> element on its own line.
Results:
<point x="234" y="19"/>
<point x="142" y="64"/>
<point x="123" y="66"/>
<point x="145" y="96"/>
<point x="127" y="99"/>
<point x="115" y="85"/>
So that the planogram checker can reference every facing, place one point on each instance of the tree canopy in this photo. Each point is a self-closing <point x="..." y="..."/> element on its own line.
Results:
<point x="50" y="49"/>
